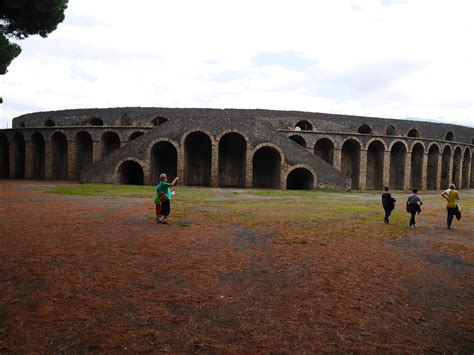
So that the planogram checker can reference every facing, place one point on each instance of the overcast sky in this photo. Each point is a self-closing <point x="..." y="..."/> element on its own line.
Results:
<point x="385" y="58"/>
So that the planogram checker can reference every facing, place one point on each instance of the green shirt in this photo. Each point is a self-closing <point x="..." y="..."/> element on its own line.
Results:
<point x="164" y="187"/>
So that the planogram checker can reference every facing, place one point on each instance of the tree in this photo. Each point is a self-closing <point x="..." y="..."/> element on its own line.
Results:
<point x="22" y="18"/>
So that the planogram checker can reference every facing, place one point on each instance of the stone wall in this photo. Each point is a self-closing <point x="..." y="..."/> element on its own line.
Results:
<point x="241" y="148"/>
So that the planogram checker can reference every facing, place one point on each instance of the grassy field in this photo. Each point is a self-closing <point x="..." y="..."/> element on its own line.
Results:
<point x="335" y="213"/>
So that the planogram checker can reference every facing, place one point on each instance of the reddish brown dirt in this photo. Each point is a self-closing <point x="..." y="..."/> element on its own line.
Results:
<point x="97" y="274"/>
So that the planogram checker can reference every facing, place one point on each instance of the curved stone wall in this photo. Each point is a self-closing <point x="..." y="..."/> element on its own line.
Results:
<point x="237" y="148"/>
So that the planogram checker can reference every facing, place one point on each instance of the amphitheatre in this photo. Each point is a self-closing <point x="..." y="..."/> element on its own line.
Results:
<point x="237" y="148"/>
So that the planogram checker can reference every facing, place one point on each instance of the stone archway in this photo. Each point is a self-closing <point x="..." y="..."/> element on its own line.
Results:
<point x="324" y="149"/>
<point x="266" y="165"/>
<point x="38" y="156"/>
<point x="375" y="165"/>
<point x="350" y="162"/>
<point x="465" y="169"/>
<point x="416" y="176"/>
<point x="110" y="143"/>
<point x="300" y="179"/>
<point x="130" y="173"/>
<point x="397" y="166"/>
<point x="60" y="156"/>
<point x="456" y="176"/>
<point x="232" y="160"/>
<point x="84" y="150"/>
<point x="197" y="159"/>
<point x="298" y="140"/>
<point x="432" y="173"/>
<point x="164" y="159"/>
<point x="4" y="157"/>
<point x="19" y="156"/>
<point x="135" y="135"/>
<point x="445" y="163"/>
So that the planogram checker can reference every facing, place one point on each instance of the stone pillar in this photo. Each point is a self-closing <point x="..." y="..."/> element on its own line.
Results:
<point x="180" y="164"/>
<point x="363" y="169"/>
<point x="96" y="151"/>
<point x="450" y="173"/>
<point x="214" y="165"/>
<point x="424" y="173"/>
<point x="469" y="172"/>
<point x="249" y="168"/>
<point x="386" y="168"/>
<point x="337" y="159"/>
<point x="407" y="184"/>
<point x="71" y="161"/>
<point x="438" y="175"/>
<point x="48" y="160"/>
<point x="29" y="159"/>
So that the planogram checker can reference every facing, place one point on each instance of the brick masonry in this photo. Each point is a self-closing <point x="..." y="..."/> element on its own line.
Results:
<point x="354" y="140"/>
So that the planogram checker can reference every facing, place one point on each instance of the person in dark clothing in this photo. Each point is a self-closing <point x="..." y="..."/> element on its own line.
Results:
<point x="414" y="206"/>
<point x="388" y="204"/>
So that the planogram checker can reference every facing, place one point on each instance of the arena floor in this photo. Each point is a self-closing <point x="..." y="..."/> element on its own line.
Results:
<point x="237" y="271"/>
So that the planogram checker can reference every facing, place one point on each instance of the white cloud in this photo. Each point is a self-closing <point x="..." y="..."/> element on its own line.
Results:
<point x="385" y="58"/>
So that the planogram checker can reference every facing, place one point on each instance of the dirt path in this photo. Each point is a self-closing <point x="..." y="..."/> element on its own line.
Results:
<point x="95" y="274"/>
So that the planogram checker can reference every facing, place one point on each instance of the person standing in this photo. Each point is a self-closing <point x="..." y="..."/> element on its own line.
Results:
<point x="452" y="206"/>
<point x="414" y="203"/>
<point x="163" y="198"/>
<point x="388" y="204"/>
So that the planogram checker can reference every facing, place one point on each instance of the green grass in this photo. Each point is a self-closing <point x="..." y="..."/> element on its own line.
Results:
<point x="356" y="214"/>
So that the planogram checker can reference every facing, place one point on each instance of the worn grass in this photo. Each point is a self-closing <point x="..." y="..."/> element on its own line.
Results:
<point x="310" y="215"/>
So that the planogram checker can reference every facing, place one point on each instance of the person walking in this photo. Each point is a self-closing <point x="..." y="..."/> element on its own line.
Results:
<point x="414" y="203"/>
<point x="452" y="206"/>
<point x="388" y="204"/>
<point x="163" y="198"/>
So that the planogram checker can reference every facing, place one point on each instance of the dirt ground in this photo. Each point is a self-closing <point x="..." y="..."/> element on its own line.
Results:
<point x="97" y="274"/>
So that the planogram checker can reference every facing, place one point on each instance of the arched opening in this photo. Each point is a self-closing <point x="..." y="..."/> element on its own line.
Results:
<point x="49" y="123"/>
<point x="197" y="159"/>
<point x="465" y="169"/>
<point x="83" y="152"/>
<point x="164" y="159"/>
<point x="300" y="179"/>
<point x="324" y="149"/>
<point x="417" y="154"/>
<point x="130" y="173"/>
<point x="375" y="166"/>
<point x="60" y="153"/>
<point x="449" y="136"/>
<point x="350" y="162"/>
<point x="298" y="139"/>
<point x="303" y="126"/>
<point x="445" y="163"/>
<point x="19" y="163"/>
<point x="96" y="121"/>
<point x="4" y="157"/>
<point x="22" y="124"/>
<point x="232" y="160"/>
<point x="391" y="130"/>
<point x="266" y="168"/>
<point x="134" y="136"/>
<point x="397" y="166"/>
<point x="110" y="143"/>
<point x="364" y="129"/>
<point x="456" y="176"/>
<point x="158" y="121"/>
<point x="413" y="133"/>
<point x="126" y="121"/>
<point x="38" y="156"/>
<point x="432" y="173"/>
